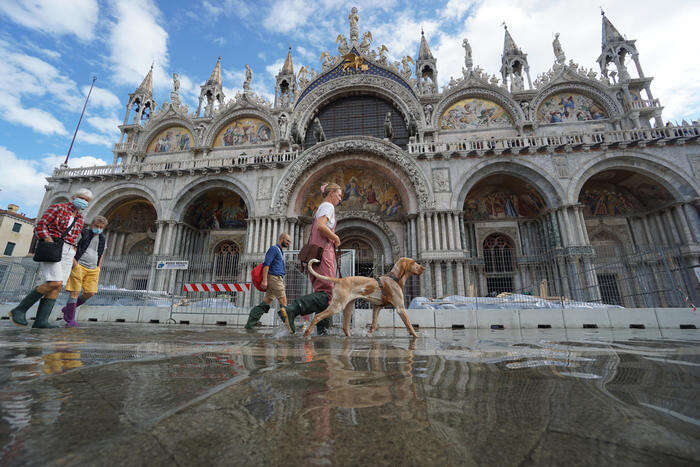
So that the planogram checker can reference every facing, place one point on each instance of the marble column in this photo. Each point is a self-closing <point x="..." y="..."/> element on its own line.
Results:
<point x="460" y="278"/>
<point x="426" y="280"/>
<point x="414" y="239"/>
<point x="429" y="230"/>
<point x="584" y="228"/>
<point x="673" y="230"/>
<point x="449" y="278"/>
<point x="660" y="227"/>
<point x="438" y="279"/>
<point x="422" y="232"/>
<point x="449" y="219"/>
<point x="686" y="235"/>
<point x="275" y="231"/>
<point x="436" y="232"/>
<point x="691" y="213"/>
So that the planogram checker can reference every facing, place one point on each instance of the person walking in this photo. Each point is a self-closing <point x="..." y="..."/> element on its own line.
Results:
<point x="61" y="222"/>
<point x="322" y="234"/>
<point x="87" y="264"/>
<point x="272" y="281"/>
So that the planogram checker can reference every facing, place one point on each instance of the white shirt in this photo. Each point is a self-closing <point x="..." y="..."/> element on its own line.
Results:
<point x="328" y="210"/>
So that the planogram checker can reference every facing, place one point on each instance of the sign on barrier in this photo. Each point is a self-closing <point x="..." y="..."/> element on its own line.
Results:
<point x="173" y="265"/>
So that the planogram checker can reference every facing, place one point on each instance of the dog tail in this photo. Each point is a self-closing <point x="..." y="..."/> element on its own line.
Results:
<point x="319" y="276"/>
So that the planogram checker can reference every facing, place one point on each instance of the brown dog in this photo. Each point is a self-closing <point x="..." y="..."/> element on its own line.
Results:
<point x="347" y="289"/>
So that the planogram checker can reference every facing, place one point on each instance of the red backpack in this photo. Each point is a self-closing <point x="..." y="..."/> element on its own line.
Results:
<point x="257" y="275"/>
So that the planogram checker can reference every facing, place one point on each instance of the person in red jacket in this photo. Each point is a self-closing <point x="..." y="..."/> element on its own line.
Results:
<point x="57" y="220"/>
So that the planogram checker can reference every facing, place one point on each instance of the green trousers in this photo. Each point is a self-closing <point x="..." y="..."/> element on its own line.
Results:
<point x="312" y="303"/>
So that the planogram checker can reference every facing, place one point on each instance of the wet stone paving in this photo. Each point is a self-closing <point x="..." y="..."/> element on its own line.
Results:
<point x="124" y="394"/>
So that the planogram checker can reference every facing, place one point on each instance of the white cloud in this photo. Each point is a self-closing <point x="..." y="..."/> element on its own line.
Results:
<point x="286" y="15"/>
<point x="101" y="97"/>
<point x="23" y="180"/>
<point x="105" y="125"/>
<point x="137" y="40"/>
<point x="76" y="17"/>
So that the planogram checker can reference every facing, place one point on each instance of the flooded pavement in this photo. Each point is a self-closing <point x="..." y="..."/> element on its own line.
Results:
<point x="152" y="394"/>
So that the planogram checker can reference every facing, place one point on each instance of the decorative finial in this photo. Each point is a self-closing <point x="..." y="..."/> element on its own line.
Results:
<point x="505" y="26"/>
<point x="219" y="58"/>
<point x="421" y="31"/>
<point x="602" y="12"/>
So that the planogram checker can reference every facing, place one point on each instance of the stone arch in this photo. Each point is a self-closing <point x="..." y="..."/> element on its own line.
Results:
<point x="375" y="85"/>
<point x="108" y="199"/>
<point x="224" y="118"/>
<point x="589" y="89"/>
<point x="681" y="186"/>
<point x="339" y="148"/>
<point x="155" y="129"/>
<point x="180" y="203"/>
<point x="493" y="94"/>
<point x="548" y="188"/>
<point x="376" y="226"/>
<point x="60" y="197"/>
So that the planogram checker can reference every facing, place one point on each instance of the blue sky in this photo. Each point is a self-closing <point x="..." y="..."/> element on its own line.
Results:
<point x="49" y="49"/>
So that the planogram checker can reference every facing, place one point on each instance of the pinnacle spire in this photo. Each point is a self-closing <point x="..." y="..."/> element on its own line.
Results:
<point x="215" y="77"/>
<point x="508" y="42"/>
<point x="610" y="33"/>
<point x="288" y="67"/>
<point x="424" y="51"/>
<point x="146" y="86"/>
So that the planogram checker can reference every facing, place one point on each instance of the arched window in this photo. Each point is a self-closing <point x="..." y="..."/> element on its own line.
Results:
<point x="498" y="254"/>
<point x="359" y="115"/>
<point x="226" y="260"/>
<point x="499" y="263"/>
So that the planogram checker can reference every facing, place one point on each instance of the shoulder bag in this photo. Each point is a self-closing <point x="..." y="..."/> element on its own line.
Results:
<point x="51" y="252"/>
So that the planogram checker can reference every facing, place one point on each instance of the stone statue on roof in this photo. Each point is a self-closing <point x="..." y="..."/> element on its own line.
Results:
<point x="468" y="62"/>
<point x="248" y="78"/>
<point x="353" y="19"/>
<point x="558" y="50"/>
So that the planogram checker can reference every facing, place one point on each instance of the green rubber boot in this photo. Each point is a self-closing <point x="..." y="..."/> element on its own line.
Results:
<point x="43" y="313"/>
<point x="256" y="313"/>
<point x="307" y="304"/>
<point x="18" y="315"/>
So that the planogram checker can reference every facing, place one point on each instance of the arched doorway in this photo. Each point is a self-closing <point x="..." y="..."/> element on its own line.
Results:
<point x="499" y="263"/>
<point x="130" y="235"/>
<point x="503" y="216"/>
<point x="226" y="256"/>
<point x="636" y="229"/>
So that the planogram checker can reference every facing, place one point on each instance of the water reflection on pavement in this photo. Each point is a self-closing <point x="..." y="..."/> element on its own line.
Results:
<point x="129" y="394"/>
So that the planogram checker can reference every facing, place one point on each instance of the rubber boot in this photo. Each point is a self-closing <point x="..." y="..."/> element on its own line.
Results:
<point x="256" y="313"/>
<point x="18" y="315"/>
<point x="43" y="313"/>
<point x="69" y="315"/>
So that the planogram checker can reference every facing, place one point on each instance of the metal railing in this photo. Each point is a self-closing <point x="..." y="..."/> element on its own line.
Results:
<point x="582" y="278"/>
<point x="243" y="160"/>
<point x="572" y="139"/>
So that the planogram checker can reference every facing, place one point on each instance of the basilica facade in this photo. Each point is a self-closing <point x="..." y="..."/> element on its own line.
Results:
<point x="478" y="180"/>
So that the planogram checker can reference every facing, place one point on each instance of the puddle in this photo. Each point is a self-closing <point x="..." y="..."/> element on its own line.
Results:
<point x="139" y="393"/>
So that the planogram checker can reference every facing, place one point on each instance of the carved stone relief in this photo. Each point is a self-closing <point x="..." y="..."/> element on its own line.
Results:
<point x="441" y="180"/>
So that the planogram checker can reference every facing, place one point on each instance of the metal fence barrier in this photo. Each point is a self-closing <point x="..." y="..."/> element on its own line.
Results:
<point x="646" y="277"/>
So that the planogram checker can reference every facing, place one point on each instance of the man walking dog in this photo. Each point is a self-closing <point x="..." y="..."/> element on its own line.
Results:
<point x="272" y="281"/>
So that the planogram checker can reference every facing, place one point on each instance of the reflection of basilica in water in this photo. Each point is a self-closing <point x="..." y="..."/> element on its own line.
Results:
<point x="573" y="164"/>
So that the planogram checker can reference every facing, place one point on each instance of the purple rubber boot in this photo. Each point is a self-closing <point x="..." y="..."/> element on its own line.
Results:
<point x="69" y="315"/>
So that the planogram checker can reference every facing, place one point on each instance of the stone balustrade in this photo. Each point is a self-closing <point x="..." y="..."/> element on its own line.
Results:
<point x="583" y="141"/>
<point x="191" y="165"/>
<point x="124" y="147"/>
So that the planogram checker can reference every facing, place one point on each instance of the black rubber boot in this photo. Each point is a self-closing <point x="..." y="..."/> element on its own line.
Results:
<point x="18" y="315"/>
<point x="256" y="313"/>
<point x="43" y="313"/>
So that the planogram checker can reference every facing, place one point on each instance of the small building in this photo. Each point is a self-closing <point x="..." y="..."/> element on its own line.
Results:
<point x="16" y="232"/>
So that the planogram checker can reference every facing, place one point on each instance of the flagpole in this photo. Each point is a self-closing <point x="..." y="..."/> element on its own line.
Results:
<point x="79" y="120"/>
